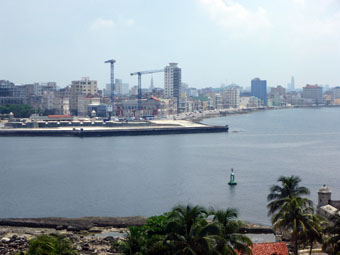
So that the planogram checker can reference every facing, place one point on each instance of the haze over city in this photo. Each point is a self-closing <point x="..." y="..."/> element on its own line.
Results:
<point x="214" y="41"/>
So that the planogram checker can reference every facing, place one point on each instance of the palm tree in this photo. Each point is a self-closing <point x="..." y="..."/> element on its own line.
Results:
<point x="135" y="243"/>
<point x="289" y="188"/>
<point x="294" y="215"/>
<point x="188" y="232"/>
<point x="232" y="241"/>
<point x="332" y="243"/>
<point x="51" y="245"/>
<point x="313" y="231"/>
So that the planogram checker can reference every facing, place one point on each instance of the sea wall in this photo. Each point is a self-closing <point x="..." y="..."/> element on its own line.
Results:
<point x="83" y="132"/>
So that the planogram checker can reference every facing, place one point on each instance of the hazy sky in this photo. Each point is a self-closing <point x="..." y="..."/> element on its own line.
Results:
<point x="214" y="41"/>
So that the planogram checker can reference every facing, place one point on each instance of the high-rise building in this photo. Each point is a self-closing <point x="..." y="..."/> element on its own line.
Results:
<point x="292" y="84"/>
<point x="151" y="84"/>
<point x="259" y="89"/>
<point x="313" y="93"/>
<point x="172" y="80"/>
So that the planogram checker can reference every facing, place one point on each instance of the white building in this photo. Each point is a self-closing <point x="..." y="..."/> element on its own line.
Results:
<point x="172" y="80"/>
<point x="231" y="98"/>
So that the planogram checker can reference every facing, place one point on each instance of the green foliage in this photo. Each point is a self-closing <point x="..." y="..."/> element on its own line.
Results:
<point x="51" y="245"/>
<point x="289" y="188"/>
<point x="293" y="212"/>
<point x="19" y="110"/>
<point x="229" y="225"/>
<point x="332" y="242"/>
<point x="156" y="225"/>
<point x="186" y="230"/>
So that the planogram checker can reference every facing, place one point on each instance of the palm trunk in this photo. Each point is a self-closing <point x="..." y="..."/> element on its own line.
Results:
<point x="311" y="248"/>
<point x="296" y="250"/>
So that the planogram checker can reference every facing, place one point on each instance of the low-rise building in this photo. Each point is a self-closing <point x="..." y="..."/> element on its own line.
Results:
<point x="150" y="107"/>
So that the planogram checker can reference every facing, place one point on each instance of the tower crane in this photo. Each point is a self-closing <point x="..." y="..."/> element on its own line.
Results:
<point x="112" y="61"/>
<point x="140" y="84"/>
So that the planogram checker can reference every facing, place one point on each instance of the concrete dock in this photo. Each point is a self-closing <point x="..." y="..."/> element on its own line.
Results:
<point x="155" y="127"/>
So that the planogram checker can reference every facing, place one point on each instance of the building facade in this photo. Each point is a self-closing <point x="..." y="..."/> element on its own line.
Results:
<point x="231" y="98"/>
<point x="312" y="94"/>
<point x="172" y="80"/>
<point x="84" y="86"/>
<point x="259" y="89"/>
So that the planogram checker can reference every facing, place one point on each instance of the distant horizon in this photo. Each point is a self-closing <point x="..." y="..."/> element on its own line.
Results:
<point x="213" y="41"/>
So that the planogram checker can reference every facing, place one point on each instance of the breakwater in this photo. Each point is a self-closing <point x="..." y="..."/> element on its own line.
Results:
<point x="83" y="132"/>
<point x="153" y="128"/>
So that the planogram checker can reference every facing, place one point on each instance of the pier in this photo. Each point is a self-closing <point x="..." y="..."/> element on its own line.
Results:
<point x="82" y="129"/>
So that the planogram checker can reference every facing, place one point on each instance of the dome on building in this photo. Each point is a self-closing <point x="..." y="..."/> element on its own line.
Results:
<point x="93" y="113"/>
<point x="324" y="189"/>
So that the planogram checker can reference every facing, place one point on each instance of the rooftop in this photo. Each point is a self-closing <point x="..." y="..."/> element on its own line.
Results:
<point x="270" y="249"/>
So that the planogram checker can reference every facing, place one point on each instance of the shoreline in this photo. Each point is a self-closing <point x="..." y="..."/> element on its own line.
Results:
<point x="227" y="112"/>
<point x="89" y="235"/>
<point x="91" y="223"/>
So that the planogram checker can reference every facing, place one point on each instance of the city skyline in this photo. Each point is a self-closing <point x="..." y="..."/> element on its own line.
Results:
<point x="214" y="41"/>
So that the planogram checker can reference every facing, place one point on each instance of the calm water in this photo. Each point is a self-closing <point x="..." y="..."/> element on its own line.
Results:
<point x="148" y="175"/>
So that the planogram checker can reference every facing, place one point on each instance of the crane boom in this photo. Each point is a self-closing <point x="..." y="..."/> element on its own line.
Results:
<point x="140" y="84"/>
<point x="147" y="72"/>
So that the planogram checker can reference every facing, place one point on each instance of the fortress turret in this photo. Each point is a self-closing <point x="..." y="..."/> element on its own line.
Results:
<point x="324" y="196"/>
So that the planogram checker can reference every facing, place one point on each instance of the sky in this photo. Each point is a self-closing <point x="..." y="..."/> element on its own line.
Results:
<point x="214" y="41"/>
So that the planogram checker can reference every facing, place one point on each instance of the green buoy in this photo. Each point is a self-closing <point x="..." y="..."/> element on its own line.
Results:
<point x="232" y="178"/>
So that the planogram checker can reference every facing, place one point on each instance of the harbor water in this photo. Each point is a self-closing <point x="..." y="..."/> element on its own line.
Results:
<point x="148" y="175"/>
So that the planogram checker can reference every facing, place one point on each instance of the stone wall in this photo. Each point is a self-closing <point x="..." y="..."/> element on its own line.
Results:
<point x="335" y="203"/>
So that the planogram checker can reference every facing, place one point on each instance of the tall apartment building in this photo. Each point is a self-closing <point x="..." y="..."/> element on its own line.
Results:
<point x="231" y="98"/>
<point x="172" y="80"/>
<point x="313" y="93"/>
<point x="259" y="89"/>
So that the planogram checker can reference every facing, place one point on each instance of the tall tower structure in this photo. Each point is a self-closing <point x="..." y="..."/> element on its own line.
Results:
<point x="172" y="80"/>
<point x="292" y="84"/>
<point x="324" y="197"/>
<point x="151" y="84"/>
<point x="112" y="80"/>
<point x="259" y="89"/>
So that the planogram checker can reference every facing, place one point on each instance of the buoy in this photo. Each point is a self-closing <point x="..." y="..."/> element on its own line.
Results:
<point x="232" y="178"/>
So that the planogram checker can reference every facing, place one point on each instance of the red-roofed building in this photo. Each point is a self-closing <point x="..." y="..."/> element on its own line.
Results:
<point x="270" y="249"/>
<point x="60" y="117"/>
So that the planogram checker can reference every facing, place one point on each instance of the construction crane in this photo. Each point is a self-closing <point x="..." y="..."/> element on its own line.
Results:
<point x="112" y="61"/>
<point x="140" y="84"/>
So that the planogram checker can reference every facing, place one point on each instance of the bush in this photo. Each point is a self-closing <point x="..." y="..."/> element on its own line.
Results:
<point x="51" y="245"/>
